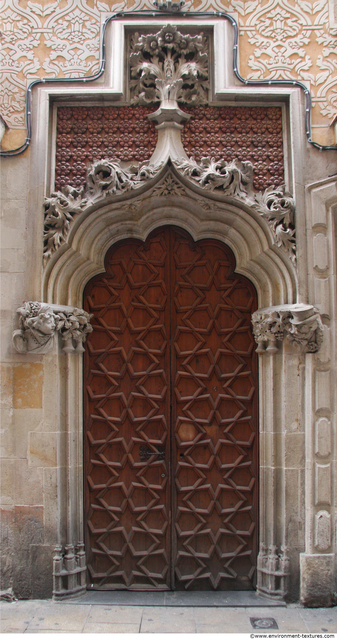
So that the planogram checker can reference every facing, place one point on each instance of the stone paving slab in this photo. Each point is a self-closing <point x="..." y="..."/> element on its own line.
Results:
<point x="121" y="615"/>
<point x="320" y="620"/>
<point x="45" y="616"/>
<point x="51" y="617"/>
<point x="172" y="619"/>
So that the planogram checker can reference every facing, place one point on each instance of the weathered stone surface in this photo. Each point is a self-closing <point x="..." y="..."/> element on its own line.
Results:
<point x="28" y="485"/>
<point x="41" y="573"/>
<point x="42" y="449"/>
<point x="21" y="527"/>
<point x="317" y="581"/>
<point x="27" y="385"/>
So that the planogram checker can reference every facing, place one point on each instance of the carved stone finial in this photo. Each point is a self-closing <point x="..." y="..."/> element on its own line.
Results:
<point x="169" y="66"/>
<point x="300" y="323"/>
<point x="39" y="324"/>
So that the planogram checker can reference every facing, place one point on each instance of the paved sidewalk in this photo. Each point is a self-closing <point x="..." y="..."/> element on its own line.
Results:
<point x="43" y="616"/>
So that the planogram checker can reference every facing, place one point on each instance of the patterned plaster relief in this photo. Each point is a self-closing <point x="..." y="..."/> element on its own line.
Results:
<point x="279" y="39"/>
<point x="286" y="39"/>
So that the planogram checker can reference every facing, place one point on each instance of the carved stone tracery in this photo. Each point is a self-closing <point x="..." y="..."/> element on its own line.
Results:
<point x="301" y="324"/>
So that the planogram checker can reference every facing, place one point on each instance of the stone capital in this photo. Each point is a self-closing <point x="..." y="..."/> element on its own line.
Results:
<point x="39" y="324"/>
<point x="301" y="324"/>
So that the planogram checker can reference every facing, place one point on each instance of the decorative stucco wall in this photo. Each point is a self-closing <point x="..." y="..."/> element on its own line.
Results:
<point x="279" y="39"/>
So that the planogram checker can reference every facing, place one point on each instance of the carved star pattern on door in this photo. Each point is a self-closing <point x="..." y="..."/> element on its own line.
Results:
<point x="215" y="420"/>
<point x="128" y="407"/>
<point x="171" y="330"/>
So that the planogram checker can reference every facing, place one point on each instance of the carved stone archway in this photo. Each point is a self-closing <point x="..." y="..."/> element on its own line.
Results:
<point x="171" y="198"/>
<point x="168" y="198"/>
<point x="210" y="200"/>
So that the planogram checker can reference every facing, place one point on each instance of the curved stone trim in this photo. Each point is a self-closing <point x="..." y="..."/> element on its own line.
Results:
<point x="169" y="198"/>
<point x="106" y="178"/>
<point x="39" y="324"/>
<point x="300" y="323"/>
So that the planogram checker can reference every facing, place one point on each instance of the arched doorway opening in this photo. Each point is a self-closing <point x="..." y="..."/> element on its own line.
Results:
<point x="171" y="418"/>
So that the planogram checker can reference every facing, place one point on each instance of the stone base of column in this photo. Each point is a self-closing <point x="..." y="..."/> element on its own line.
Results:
<point x="317" y="580"/>
<point x="69" y="572"/>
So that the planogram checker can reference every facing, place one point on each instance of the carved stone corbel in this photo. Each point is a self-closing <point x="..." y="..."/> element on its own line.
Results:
<point x="39" y="324"/>
<point x="301" y="324"/>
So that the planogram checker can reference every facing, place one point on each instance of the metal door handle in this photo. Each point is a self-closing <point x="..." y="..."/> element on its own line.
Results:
<point x="145" y="453"/>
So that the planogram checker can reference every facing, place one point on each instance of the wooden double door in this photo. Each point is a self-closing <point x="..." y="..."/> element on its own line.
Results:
<point x="170" y="387"/>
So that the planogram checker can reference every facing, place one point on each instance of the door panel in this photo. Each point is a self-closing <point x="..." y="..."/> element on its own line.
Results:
<point x="171" y="332"/>
<point x="214" y="413"/>
<point x="128" y="412"/>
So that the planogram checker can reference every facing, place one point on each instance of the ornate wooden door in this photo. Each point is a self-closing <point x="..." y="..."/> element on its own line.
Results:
<point x="170" y="407"/>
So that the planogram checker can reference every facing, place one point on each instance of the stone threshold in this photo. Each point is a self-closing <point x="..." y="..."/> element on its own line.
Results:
<point x="176" y="599"/>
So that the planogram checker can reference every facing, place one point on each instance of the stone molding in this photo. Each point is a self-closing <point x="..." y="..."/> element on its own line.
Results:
<point x="40" y="323"/>
<point x="301" y="324"/>
<point x="169" y="66"/>
<point x="109" y="178"/>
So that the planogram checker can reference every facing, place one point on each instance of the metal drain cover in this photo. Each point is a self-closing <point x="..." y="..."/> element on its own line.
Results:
<point x="263" y="623"/>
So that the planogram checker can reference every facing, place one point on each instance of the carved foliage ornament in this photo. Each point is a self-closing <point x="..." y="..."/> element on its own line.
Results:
<point x="278" y="208"/>
<point x="235" y="179"/>
<point x="169" y="65"/>
<point x="39" y="324"/>
<point x="300" y="323"/>
<point x="107" y="177"/>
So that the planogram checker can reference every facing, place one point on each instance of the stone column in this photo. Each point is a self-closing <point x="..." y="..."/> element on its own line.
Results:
<point x="284" y="335"/>
<point x="318" y="562"/>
